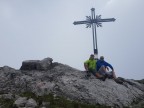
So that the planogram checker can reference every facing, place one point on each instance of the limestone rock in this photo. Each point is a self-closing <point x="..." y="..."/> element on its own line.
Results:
<point x="37" y="64"/>
<point x="20" y="102"/>
<point x="7" y="96"/>
<point x="62" y="80"/>
<point x="7" y="69"/>
<point x="31" y="103"/>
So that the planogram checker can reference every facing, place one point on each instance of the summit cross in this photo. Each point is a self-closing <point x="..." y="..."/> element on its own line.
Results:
<point x="94" y="21"/>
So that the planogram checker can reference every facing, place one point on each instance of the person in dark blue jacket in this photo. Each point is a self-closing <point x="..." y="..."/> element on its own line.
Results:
<point x="102" y="66"/>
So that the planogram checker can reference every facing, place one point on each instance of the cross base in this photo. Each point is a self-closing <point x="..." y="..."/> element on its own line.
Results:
<point x="95" y="53"/>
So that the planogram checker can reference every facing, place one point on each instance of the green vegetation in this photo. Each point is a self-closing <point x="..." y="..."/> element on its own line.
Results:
<point x="59" y="102"/>
<point x="140" y="81"/>
<point x="54" y="102"/>
<point x="6" y="103"/>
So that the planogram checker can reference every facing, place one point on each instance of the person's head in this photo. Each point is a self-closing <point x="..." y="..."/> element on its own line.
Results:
<point x="91" y="57"/>
<point x="101" y="57"/>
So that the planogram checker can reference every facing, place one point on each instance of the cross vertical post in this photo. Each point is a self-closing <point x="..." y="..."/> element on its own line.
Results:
<point x="94" y="21"/>
<point x="95" y="47"/>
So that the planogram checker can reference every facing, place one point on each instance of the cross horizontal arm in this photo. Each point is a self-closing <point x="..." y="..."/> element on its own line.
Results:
<point x="104" y="20"/>
<point x="94" y="21"/>
<point x="81" y="22"/>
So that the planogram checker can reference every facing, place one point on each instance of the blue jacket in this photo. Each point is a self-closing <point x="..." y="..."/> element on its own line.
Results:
<point x="103" y="63"/>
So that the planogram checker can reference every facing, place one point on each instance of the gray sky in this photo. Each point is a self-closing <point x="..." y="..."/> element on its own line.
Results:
<point x="36" y="29"/>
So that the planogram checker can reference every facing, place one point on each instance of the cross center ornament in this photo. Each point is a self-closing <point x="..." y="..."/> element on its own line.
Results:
<point x="94" y="21"/>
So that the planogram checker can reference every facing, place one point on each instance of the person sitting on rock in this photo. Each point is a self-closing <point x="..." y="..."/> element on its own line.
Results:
<point x="90" y="67"/>
<point x="102" y="66"/>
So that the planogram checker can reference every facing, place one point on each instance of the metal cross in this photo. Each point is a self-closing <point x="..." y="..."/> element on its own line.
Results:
<point x="94" y="21"/>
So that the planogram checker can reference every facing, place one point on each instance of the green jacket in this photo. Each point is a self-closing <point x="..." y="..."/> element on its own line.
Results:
<point x="91" y="64"/>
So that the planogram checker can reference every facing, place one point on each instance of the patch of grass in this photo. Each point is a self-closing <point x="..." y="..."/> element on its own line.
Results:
<point x="6" y="103"/>
<point x="28" y="95"/>
<point x="59" y="102"/>
<point x="55" y="102"/>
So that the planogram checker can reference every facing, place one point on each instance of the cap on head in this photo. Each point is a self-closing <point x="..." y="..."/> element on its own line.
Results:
<point x="92" y="55"/>
<point x="101" y="57"/>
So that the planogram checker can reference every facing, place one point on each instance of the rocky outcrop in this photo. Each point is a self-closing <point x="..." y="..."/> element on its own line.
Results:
<point x="44" y="64"/>
<point x="63" y="80"/>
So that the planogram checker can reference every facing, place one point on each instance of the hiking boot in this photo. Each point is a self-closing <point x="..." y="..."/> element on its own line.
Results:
<point x="118" y="81"/>
<point x="106" y="76"/>
<point x="102" y="78"/>
<point x="87" y="76"/>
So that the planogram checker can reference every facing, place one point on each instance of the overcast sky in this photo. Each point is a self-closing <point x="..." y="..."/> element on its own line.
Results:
<point x="36" y="29"/>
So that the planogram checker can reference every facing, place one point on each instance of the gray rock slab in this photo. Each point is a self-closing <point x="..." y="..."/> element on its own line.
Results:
<point x="44" y="64"/>
<point x="63" y="80"/>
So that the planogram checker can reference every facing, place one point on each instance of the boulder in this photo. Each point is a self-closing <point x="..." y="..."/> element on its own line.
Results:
<point x="44" y="64"/>
<point x="31" y="103"/>
<point x="20" y="102"/>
